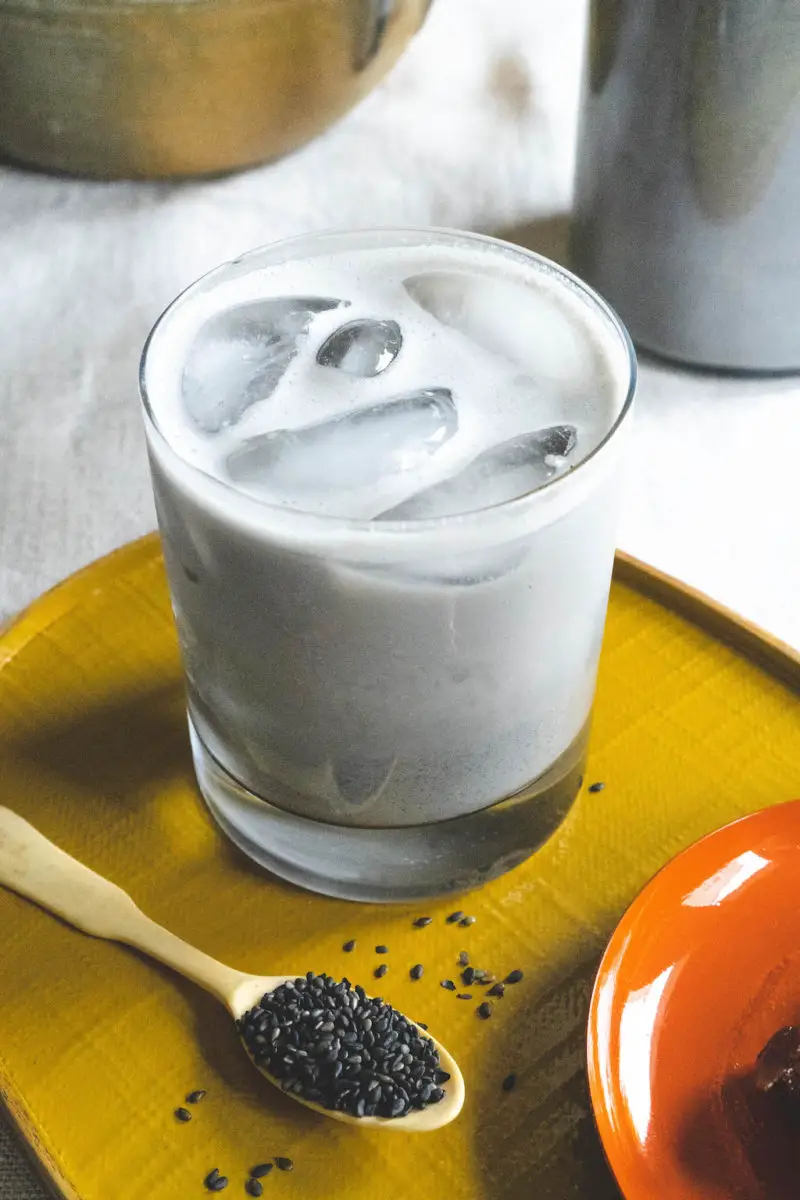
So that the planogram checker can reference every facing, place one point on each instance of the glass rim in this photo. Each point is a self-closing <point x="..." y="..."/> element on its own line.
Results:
<point x="327" y="521"/>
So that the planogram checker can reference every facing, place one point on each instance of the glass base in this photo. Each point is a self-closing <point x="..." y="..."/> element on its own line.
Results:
<point x="392" y="865"/>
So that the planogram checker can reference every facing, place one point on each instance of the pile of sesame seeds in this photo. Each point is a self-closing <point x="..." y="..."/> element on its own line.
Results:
<point x="330" y="1043"/>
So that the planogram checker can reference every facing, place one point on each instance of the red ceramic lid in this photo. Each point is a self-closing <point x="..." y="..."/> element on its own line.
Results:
<point x="701" y="971"/>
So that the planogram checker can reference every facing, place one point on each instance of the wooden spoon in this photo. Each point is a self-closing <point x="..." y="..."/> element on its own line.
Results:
<point x="35" y="868"/>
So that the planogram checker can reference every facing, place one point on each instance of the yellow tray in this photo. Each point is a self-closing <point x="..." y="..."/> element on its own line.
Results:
<point x="696" y="723"/>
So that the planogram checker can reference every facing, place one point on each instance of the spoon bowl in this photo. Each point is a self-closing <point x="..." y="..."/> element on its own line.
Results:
<point x="35" y="868"/>
<point x="248" y="992"/>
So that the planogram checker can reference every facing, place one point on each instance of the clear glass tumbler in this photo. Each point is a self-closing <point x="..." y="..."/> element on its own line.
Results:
<point x="383" y="708"/>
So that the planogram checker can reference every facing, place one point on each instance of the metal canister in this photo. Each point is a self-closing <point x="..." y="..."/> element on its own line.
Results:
<point x="688" y="188"/>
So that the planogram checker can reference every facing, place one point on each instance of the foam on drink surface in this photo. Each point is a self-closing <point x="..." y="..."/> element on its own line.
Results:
<point x="379" y="384"/>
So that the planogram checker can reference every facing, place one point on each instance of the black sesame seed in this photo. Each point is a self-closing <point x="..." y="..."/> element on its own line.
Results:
<point x="454" y="916"/>
<point x="348" y="946"/>
<point x="211" y="1178"/>
<point x="219" y="1184"/>
<point x="510" y="1082"/>
<point x="196" y="1097"/>
<point x="380" y="971"/>
<point x="421" y="922"/>
<point x="341" y="1049"/>
<point x="498" y="989"/>
<point x="485" y="1010"/>
<point x="464" y="996"/>
<point x="448" y="985"/>
<point x="183" y="1114"/>
<point x="284" y="1164"/>
<point x="254" y="1188"/>
<point x="467" y="921"/>
<point x="262" y="1169"/>
<point x="463" y="959"/>
<point x="381" y="949"/>
<point x="417" y="971"/>
<point x="514" y="976"/>
<point x="596" y="787"/>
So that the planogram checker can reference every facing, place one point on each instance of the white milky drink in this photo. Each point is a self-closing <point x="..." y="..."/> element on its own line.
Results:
<point x="386" y="468"/>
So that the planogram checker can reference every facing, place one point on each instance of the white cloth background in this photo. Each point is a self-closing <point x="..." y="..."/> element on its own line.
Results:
<point x="474" y="128"/>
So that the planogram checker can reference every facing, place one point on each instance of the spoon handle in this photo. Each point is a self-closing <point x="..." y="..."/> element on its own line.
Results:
<point x="32" y="866"/>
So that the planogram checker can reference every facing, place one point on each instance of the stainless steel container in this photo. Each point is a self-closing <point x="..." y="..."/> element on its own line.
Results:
<point x="688" y="188"/>
<point x="159" y="88"/>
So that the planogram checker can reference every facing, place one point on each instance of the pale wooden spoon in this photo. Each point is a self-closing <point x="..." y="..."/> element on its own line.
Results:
<point x="34" y="867"/>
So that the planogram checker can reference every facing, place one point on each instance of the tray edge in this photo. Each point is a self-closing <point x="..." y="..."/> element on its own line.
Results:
<point x="34" y="1150"/>
<point x="760" y="647"/>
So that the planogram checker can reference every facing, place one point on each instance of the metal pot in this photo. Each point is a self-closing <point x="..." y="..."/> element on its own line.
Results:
<point x="158" y="88"/>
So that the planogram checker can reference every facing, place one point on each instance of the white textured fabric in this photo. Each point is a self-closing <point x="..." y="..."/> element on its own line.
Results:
<point x="476" y="136"/>
<point x="474" y="128"/>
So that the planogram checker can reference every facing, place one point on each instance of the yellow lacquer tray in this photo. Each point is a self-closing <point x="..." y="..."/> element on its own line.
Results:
<point x="696" y="723"/>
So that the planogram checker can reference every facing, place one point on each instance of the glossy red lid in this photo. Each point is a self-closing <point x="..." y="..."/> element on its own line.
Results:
<point x="701" y="971"/>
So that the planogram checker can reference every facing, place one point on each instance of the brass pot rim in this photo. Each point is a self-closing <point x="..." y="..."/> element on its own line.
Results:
<point x="55" y="7"/>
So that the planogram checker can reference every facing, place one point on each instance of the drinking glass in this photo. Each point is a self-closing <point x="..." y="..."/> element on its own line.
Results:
<point x="389" y="709"/>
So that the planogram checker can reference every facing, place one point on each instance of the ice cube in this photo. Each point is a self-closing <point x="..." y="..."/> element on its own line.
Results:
<point x="500" y="474"/>
<point x="239" y="356"/>
<point x="363" y="348"/>
<point x="349" y="450"/>
<point x="444" y="294"/>
<point x="453" y="570"/>
<point x="519" y="325"/>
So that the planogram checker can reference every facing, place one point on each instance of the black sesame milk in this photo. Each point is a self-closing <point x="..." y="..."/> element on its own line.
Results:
<point x="386" y="471"/>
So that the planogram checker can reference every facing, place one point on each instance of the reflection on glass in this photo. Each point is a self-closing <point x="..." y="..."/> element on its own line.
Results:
<point x="726" y="881"/>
